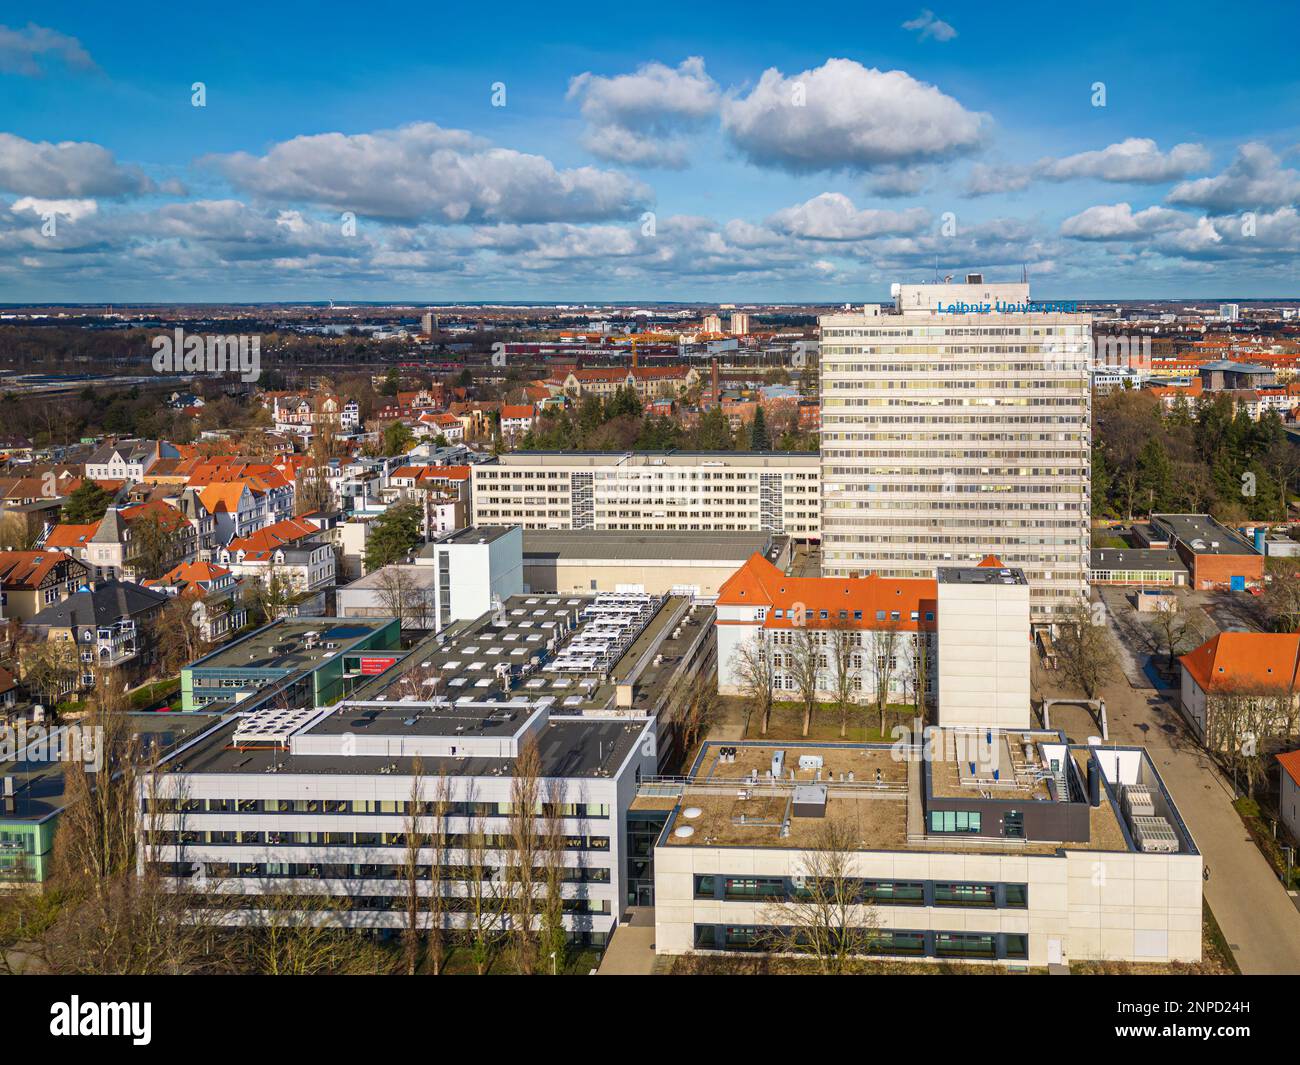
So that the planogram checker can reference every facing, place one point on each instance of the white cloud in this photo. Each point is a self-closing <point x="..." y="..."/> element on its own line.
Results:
<point x="832" y="216"/>
<point x="72" y="210"/>
<point x="898" y="181"/>
<point x="1254" y="179"/>
<point x="639" y="118"/>
<point x="1119" y="222"/>
<point x="66" y="170"/>
<point x="24" y="51"/>
<point x="987" y="179"/>
<point x="1137" y="159"/>
<point x="927" y="25"/>
<point x="423" y="172"/>
<point x="843" y="115"/>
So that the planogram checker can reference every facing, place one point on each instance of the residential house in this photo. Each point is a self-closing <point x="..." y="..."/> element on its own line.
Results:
<point x="216" y="593"/>
<point x="30" y="581"/>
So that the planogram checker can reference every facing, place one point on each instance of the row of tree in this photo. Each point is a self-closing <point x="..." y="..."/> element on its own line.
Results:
<point x="1211" y="458"/>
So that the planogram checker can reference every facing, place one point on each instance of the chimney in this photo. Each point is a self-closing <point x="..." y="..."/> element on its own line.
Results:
<point x="1094" y="783"/>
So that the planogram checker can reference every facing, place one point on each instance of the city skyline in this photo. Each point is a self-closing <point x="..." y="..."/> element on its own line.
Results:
<point x="509" y="154"/>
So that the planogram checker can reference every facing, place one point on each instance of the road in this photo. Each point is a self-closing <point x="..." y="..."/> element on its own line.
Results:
<point x="1257" y="916"/>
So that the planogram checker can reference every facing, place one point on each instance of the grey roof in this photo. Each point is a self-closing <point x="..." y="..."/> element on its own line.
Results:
<point x="108" y="602"/>
<point x="1227" y="365"/>
<point x="1153" y="558"/>
<point x="980" y="575"/>
<point x="587" y="544"/>
<point x="1202" y="535"/>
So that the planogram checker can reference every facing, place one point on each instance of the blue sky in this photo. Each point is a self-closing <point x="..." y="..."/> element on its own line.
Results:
<point x="668" y="151"/>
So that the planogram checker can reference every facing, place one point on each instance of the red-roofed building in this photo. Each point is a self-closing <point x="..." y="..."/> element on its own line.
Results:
<point x="1256" y="670"/>
<point x="516" y="420"/>
<point x="32" y="580"/>
<point x="884" y="619"/>
<point x="216" y="593"/>
<point x="1288" y="805"/>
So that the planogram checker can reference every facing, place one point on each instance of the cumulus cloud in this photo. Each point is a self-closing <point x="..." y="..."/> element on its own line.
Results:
<point x="640" y="118"/>
<point x="927" y="25"/>
<point x="26" y="51"/>
<point x="985" y="179"/>
<point x="69" y="169"/>
<point x="1136" y="160"/>
<point x="423" y="172"/>
<point x="844" y="116"/>
<point x="1255" y="178"/>
<point x="1118" y="221"/>
<point x="898" y="181"/>
<point x="72" y="210"/>
<point x="832" y="216"/>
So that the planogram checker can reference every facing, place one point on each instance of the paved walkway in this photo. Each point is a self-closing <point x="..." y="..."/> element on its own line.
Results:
<point x="631" y="952"/>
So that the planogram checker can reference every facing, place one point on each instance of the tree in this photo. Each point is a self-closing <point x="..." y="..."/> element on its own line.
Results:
<point x="86" y="503"/>
<point x="522" y="860"/>
<point x="827" y="919"/>
<point x="412" y="871"/>
<point x="48" y="668"/>
<point x="883" y="645"/>
<point x="698" y="710"/>
<point x="803" y="658"/>
<point x="758" y="440"/>
<point x="437" y="843"/>
<point x="176" y="635"/>
<point x="392" y="535"/>
<point x="554" y="936"/>
<point x="398" y="438"/>
<point x="156" y="538"/>
<point x="1084" y="649"/>
<point x="486" y="892"/>
<point x="754" y="667"/>
<point x="1175" y="631"/>
<point x="1281" y="598"/>
<point x="846" y="670"/>
<point x="401" y="595"/>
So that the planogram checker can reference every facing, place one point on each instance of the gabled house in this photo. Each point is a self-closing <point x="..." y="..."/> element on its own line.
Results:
<point x="216" y="593"/>
<point x="30" y="581"/>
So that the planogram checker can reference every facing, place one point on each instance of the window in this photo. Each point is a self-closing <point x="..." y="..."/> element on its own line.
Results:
<point x="1013" y="825"/>
<point x="705" y="887"/>
<point x="910" y="943"/>
<point x="705" y="937"/>
<point x="1017" y="945"/>
<point x="753" y="888"/>
<point x="893" y="893"/>
<point x="954" y="821"/>
<point x="964" y="895"/>
<point x="963" y="945"/>
<point x="1017" y="896"/>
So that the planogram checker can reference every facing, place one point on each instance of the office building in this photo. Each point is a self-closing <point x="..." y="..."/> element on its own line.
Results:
<point x="739" y="323"/>
<point x="956" y="425"/>
<point x="1010" y="847"/>
<point x="722" y="491"/>
<point x="318" y="803"/>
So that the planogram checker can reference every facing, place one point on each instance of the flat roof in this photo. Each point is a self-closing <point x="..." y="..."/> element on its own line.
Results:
<point x="1202" y="535"/>
<point x="576" y="544"/>
<point x="477" y="534"/>
<point x="425" y="576"/>
<point x="39" y="786"/>
<point x="586" y="747"/>
<point x="1151" y="558"/>
<point x="282" y="645"/>
<point x="731" y="799"/>
<point x="980" y="575"/>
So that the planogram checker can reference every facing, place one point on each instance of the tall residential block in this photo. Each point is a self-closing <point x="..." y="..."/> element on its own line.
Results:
<point x="956" y="425"/>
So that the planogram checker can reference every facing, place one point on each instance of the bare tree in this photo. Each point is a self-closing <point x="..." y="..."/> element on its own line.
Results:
<point x="698" y="710"/>
<point x="827" y="919"/>
<point x="412" y="870"/>
<point x="917" y="677"/>
<point x="846" y="670"/>
<point x="522" y="860"/>
<point x="438" y="869"/>
<point x="485" y="892"/>
<point x="399" y="593"/>
<point x="883" y="646"/>
<point x="803" y="658"/>
<point x="754" y="666"/>
<point x="554" y="937"/>
<point x="1174" y="631"/>
<point x="1084" y="650"/>
<point x="1281" y="598"/>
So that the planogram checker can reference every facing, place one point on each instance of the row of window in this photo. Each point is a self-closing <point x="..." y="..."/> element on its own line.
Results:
<point x="490" y="841"/>
<point x="365" y="806"/>
<point x="361" y="871"/>
<point x="1011" y="946"/>
<point x="862" y="891"/>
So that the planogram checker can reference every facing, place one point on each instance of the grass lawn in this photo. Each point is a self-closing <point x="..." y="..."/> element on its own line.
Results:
<point x="864" y="724"/>
<point x="579" y="962"/>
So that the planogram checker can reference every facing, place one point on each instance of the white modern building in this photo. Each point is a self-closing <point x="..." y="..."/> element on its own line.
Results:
<point x="724" y="491"/>
<point x="983" y="647"/>
<point x="998" y="847"/>
<point x="319" y="802"/>
<point x="957" y="425"/>
<point x="477" y="568"/>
